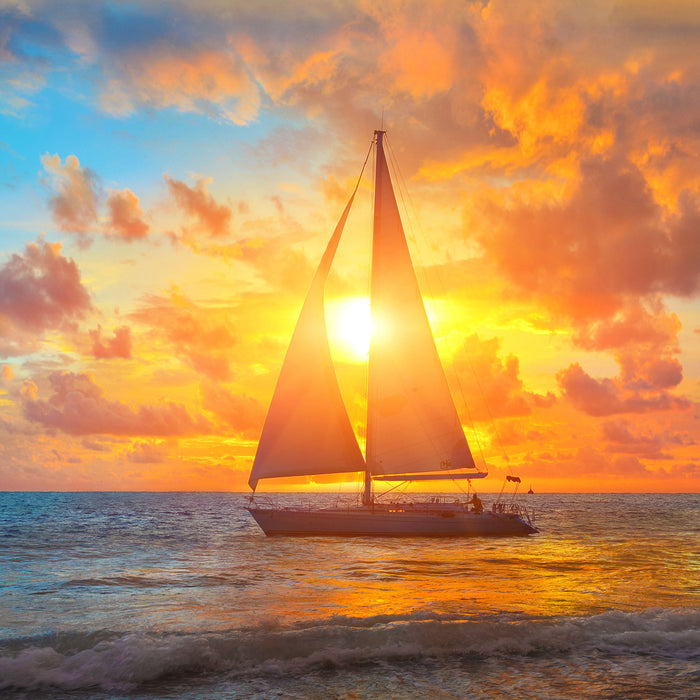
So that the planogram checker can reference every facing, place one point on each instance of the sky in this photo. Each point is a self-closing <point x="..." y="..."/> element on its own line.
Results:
<point x="171" y="171"/>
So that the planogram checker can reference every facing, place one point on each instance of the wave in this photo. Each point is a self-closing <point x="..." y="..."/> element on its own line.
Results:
<point x="115" y="661"/>
<point x="133" y="581"/>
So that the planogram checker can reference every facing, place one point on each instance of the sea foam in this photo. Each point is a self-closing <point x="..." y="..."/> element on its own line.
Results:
<point x="120" y="661"/>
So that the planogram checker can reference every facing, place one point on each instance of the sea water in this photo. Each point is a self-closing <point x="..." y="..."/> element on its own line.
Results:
<point x="180" y="595"/>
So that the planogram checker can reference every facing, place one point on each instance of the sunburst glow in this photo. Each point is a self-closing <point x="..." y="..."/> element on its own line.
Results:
<point x="350" y="326"/>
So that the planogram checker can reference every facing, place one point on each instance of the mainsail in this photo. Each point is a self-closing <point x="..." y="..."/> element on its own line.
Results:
<point x="412" y="423"/>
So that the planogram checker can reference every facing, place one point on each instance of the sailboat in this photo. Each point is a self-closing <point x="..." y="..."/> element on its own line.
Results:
<point x="413" y="432"/>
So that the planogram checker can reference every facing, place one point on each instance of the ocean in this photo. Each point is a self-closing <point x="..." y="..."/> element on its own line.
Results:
<point x="180" y="595"/>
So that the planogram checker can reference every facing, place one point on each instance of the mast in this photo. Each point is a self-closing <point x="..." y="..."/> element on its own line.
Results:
<point x="379" y="160"/>
<point x="413" y="430"/>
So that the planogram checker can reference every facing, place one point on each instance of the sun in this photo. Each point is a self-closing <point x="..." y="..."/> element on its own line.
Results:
<point x="350" y="326"/>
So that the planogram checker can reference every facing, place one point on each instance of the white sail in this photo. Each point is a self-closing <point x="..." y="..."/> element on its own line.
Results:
<point x="307" y="429"/>
<point x="412" y="423"/>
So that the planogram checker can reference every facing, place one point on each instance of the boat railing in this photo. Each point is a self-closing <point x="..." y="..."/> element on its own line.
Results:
<point x="269" y="503"/>
<point x="513" y="508"/>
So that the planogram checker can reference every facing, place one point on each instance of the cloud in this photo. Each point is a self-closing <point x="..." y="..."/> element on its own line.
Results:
<point x="493" y="386"/>
<point x="689" y="470"/>
<point x="137" y="58"/>
<point x="610" y="239"/>
<point x="629" y="465"/>
<point x="6" y="374"/>
<point x="608" y="397"/>
<point x="567" y="130"/>
<point x="212" y="218"/>
<point x="74" y="206"/>
<point x="200" y="336"/>
<point x="117" y="346"/>
<point x="243" y="413"/>
<point x="29" y="390"/>
<point x="278" y="263"/>
<point x="78" y="407"/>
<point x="601" y="261"/>
<point x="40" y="290"/>
<point x="550" y="80"/>
<point x="631" y="327"/>
<point x="622" y="438"/>
<point x="586" y="461"/>
<point x="189" y="79"/>
<point x="517" y="432"/>
<point x="421" y="60"/>
<point x="146" y="453"/>
<point x="95" y="445"/>
<point x="125" y="220"/>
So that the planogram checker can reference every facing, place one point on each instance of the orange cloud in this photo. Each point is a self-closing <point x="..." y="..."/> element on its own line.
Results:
<point x="190" y="79"/>
<point x="420" y="61"/>
<point x="146" y="453"/>
<point x="74" y="207"/>
<point x="243" y="413"/>
<point x="214" y="219"/>
<point x="633" y="326"/>
<point x="125" y="216"/>
<point x="117" y="346"/>
<point x="497" y="388"/>
<point x="609" y="239"/>
<point x="201" y="336"/>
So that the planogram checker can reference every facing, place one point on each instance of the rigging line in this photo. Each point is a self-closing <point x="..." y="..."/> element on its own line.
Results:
<point x="405" y="195"/>
<point x="370" y="228"/>
<point x="354" y="192"/>
<point x="364" y="394"/>
<point x="357" y="184"/>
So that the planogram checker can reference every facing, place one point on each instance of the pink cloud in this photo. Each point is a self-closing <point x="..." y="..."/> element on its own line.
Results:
<point x="623" y="438"/>
<point x="690" y="470"/>
<point x="586" y="461"/>
<point x="606" y="397"/>
<point x="78" y="407"/>
<point x="41" y="290"/>
<point x="117" y="346"/>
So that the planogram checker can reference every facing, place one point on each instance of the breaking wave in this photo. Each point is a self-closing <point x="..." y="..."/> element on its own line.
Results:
<point x="114" y="661"/>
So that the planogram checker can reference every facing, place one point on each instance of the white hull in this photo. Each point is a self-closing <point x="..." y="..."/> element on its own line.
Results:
<point x="387" y="521"/>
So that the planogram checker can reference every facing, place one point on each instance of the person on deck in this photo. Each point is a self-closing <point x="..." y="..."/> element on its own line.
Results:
<point x="478" y="505"/>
